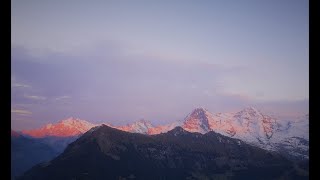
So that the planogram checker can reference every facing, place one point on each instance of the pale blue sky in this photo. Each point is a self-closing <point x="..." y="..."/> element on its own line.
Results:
<point x="120" y="61"/>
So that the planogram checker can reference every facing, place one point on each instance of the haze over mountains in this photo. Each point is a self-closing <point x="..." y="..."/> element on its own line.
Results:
<point x="287" y="137"/>
<point x="28" y="151"/>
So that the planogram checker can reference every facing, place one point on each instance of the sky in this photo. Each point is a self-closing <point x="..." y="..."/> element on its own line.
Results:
<point x="121" y="61"/>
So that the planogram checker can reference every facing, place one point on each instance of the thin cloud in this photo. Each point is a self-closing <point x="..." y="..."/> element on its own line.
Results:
<point x="62" y="98"/>
<point x="35" y="97"/>
<point x="21" y="111"/>
<point x="20" y="85"/>
<point x="16" y="84"/>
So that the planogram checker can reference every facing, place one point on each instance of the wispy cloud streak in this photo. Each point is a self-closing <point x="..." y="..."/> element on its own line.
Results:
<point x="35" y="97"/>
<point x="20" y="85"/>
<point x="62" y="98"/>
<point x="21" y="111"/>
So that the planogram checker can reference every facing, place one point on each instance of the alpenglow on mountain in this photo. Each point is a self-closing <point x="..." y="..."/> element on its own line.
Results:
<point x="250" y="125"/>
<point x="68" y="127"/>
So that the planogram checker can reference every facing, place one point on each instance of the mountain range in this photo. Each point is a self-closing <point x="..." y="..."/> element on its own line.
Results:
<point x="108" y="153"/>
<point x="249" y="125"/>
<point x="290" y="138"/>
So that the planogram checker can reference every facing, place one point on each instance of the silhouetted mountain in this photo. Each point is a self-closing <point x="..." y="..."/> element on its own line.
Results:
<point x="107" y="153"/>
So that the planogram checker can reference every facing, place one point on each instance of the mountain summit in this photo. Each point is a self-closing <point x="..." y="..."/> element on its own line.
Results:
<point x="64" y="128"/>
<point x="142" y="126"/>
<point x="197" y="121"/>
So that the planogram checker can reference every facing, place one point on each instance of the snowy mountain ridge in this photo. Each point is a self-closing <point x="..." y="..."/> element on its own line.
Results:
<point x="64" y="128"/>
<point x="249" y="125"/>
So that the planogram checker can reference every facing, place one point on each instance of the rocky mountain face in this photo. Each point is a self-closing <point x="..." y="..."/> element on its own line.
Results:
<point x="197" y="121"/>
<point x="108" y="153"/>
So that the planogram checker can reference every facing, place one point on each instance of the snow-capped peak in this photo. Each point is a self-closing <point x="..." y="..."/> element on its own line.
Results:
<point x="141" y="126"/>
<point x="67" y="127"/>
<point x="197" y="121"/>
